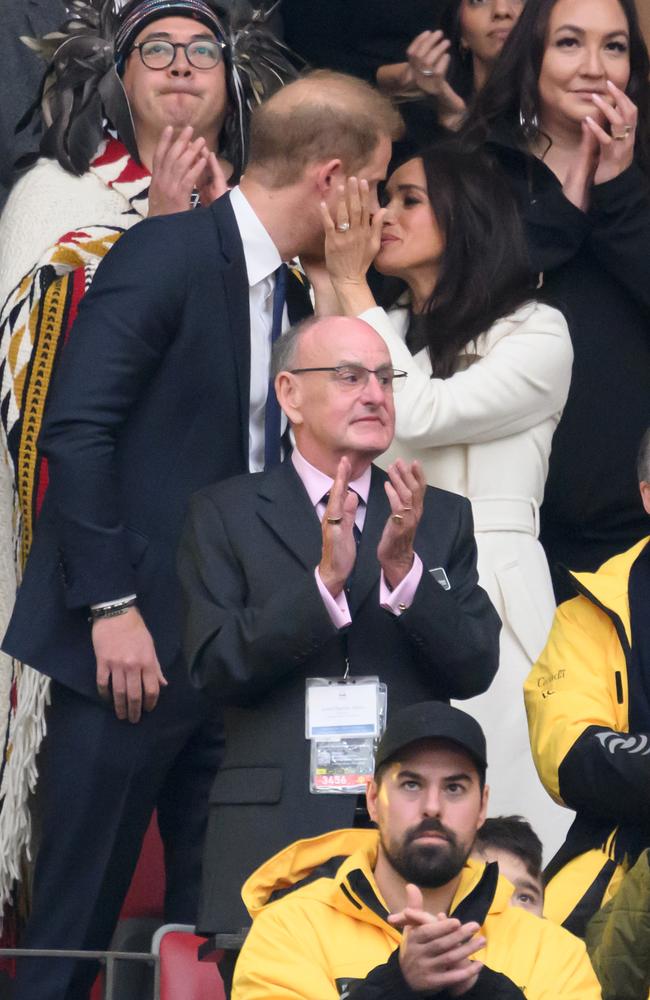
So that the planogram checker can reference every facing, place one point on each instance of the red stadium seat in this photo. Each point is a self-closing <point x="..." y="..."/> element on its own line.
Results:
<point x="181" y="973"/>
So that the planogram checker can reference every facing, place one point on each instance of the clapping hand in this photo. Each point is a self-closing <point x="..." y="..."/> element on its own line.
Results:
<point x="428" y="61"/>
<point x="339" y="547"/>
<point x="212" y="183"/>
<point x="405" y="490"/>
<point x="435" y="951"/>
<point x="179" y="166"/>
<point x="602" y="155"/>
<point x="617" y="146"/>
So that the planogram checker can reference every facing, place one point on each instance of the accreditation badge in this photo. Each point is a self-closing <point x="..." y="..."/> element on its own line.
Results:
<point x="344" y="720"/>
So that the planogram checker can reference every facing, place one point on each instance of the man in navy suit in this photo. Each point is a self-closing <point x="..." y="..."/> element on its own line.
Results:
<point x="274" y="597"/>
<point x="162" y="389"/>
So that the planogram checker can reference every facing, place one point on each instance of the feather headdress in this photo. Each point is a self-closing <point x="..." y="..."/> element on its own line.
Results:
<point x="82" y="90"/>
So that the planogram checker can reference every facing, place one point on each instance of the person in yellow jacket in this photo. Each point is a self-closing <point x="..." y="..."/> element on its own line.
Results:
<point x="403" y="911"/>
<point x="588" y="705"/>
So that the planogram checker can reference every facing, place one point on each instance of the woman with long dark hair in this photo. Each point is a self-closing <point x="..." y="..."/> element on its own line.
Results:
<point x="450" y="65"/>
<point x="566" y="111"/>
<point x="488" y="373"/>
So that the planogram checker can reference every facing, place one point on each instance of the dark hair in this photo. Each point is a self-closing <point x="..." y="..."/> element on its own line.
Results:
<point x="516" y="835"/>
<point x="484" y="272"/>
<point x="510" y="95"/>
<point x="460" y="74"/>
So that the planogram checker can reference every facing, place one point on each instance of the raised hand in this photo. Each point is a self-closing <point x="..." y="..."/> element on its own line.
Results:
<point x="339" y="547"/>
<point x="405" y="491"/>
<point x="616" y="147"/>
<point x="428" y="60"/>
<point x="211" y="184"/>
<point x="177" y="166"/>
<point x="435" y="951"/>
<point x="126" y="658"/>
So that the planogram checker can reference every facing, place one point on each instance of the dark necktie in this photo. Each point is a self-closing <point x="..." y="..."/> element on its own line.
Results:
<point x="272" y="411"/>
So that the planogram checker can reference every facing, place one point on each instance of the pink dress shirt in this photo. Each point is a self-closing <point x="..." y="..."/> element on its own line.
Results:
<point x="396" y="601"/>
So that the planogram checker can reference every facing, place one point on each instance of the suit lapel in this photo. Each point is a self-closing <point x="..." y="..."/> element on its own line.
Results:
<point x="236" y="297"/>
<point x="286" y="508"/>
<point x="366" y="571"/>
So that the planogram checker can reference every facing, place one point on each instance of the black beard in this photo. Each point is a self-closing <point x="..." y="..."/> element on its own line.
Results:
<point x="428" y="865"/>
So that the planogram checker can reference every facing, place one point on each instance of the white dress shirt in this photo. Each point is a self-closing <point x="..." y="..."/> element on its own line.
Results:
<point x="262" y="261"/>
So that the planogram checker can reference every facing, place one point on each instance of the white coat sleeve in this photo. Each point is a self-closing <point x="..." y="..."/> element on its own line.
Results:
<point x="522" y="380"/>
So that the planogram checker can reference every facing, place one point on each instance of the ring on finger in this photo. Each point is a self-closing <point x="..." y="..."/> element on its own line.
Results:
<point x="342" y="227"/>
<point x="334" y="520"/>
<point x="425" y="72"/>
<point x="407" y="508"/>
<point x="397" y="518"/>
<point x="623" y="134"/>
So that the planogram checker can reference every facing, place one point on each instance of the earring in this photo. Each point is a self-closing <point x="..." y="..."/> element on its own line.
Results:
<point x="529" y="125"/>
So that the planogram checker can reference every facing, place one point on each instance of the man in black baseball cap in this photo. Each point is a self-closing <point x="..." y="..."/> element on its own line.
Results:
<point x="432" y="720"/>
<point x="428" y="798"/>
<point x="405" y="911"/>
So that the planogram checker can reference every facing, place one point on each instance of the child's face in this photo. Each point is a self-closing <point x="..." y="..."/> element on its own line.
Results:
<point x="529" y="891"/>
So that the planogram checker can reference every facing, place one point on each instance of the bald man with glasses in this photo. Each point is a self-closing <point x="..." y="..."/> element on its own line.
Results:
<point x="321" y="569"/>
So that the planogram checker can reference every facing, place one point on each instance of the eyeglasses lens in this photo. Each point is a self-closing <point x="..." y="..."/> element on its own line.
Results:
<point x="159" y="54"/>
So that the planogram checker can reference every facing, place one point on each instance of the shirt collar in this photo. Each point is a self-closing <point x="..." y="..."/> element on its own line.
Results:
<point x="317" y="483"/>
<point x="260" y="252"/>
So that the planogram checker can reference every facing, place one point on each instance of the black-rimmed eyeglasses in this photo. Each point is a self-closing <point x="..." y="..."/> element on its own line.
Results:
<point x="356" y="376"/>
<point x="159" y="54"/>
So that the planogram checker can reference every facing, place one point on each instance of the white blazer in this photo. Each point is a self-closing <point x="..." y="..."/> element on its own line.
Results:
<point x="485" y="432"/>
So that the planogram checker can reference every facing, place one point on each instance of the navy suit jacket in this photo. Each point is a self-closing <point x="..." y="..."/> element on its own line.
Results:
<point x="151" y="403"/>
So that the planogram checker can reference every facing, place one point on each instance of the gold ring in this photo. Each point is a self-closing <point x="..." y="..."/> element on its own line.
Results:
<point x="621" y="136"/>
<point x="334" y="520"/>
<point x="397" y="518"/>
<point x="407" y="508"/>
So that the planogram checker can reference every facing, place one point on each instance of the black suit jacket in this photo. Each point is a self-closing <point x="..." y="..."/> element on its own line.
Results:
<point x="150" y="404"/>
<point x="257" y="627"/>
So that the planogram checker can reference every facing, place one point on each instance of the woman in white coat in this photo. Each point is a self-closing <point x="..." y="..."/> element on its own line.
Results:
<point x="488" y="368"/>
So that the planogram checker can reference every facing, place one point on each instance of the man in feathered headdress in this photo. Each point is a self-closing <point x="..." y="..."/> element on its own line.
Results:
<point x="143" y="110"/>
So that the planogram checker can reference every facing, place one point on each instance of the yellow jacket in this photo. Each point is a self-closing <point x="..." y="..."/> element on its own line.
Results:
<point x="320" y="936"/>
<point x="577" y="701"/>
